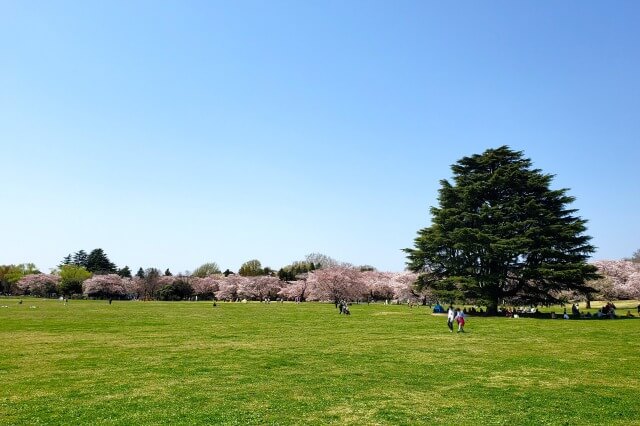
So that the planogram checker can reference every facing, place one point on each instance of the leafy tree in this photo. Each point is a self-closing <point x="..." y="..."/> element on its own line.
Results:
<point x="168" y="273"/>
<point x="295" y="271"/>
<point x="124" y="272"/>
<point x="99" y="263"/>
<point x="501" y="233"/>
<point x="80" y="258"/>
<point x="251" y="268"/>
<point x="11" y="274"/>
<point x="71" y="279"/>
<point x="179" y="289"/>
<point x="206" y="269"/>
<point x="227" y="272"/>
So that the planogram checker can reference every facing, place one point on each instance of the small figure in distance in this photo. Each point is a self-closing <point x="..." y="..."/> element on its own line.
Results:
<point x="460" y="320"/>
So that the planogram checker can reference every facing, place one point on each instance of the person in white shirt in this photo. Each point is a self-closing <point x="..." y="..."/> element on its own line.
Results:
<point x="450" y="316"/>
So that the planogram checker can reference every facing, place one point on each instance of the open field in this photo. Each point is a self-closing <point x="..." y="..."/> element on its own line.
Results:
<point x="191" y="363"/>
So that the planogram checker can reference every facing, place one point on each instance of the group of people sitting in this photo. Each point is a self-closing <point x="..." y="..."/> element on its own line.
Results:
<point x="438" y="309"/>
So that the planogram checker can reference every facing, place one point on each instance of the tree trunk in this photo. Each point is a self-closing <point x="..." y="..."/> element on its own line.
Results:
<point x="492" y="308"/>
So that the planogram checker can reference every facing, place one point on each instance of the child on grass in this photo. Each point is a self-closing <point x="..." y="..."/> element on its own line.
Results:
<point x="460" y="320"/>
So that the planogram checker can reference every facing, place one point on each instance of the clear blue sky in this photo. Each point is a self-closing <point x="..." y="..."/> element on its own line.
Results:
<point x="172" y="133"/>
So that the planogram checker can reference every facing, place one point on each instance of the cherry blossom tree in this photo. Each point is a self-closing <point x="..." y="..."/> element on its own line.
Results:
<point x="378" y="284"/>
<point x="38" y="284"/>
<point x="207" y="287"/>
<point x="296" y="290"/>
<point x="259" y="288"/>
<point x="338" y="283"/>
<point x="621" y="279"/>
<point x="404" y="288"/>
<point x="228" y="288"/>
<point x="103" y="286"/>
<point x="131" y="287"/>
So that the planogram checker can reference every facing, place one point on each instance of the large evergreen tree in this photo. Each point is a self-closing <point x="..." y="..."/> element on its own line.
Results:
<point x="140" y="273"/>
<point x="124" y="272"/>
<point x="80" y="258"/>
<point x="98" y="262"/>
<point x="500" y="233"/>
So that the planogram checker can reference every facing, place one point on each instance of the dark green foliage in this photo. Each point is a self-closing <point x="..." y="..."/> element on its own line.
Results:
<point x="227" y="272"/>
<point x="11" y="274"/>
<point x="140" y="273"/>
<point x="71" y="279"/>
<point x="293" y="271"/>
<point x="80" y="258"/>
<point x="168" y="273"/>
<point x="206" y="269"/>
<point x="251" y="268"/>
<point x="124" y="272"/>
<point x="178" y="290"/>
<point x="501" y="233"/>
<point x="98" y="262"/>
<point x="67" y="260"/>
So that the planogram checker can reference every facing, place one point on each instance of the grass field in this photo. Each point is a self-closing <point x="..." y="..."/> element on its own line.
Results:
<point x="190" y="363"/>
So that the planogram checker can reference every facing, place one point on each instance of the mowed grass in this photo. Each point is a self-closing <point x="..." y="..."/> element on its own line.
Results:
<point x="190" y="363"/>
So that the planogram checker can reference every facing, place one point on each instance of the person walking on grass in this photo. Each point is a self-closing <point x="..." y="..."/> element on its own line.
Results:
<point x="450" y="316"/>
<point x="460" y="319"/>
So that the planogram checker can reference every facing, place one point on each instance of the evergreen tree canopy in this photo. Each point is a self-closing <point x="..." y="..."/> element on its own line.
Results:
<point x="80" y="258"/>
<point x="124" y="272"/>
<point x="99" y="263"/>
<point x="140" y="273"/>
<point x="251" y="268"/>
<point x="66" y="261"/>
<point x="500" y="233"/>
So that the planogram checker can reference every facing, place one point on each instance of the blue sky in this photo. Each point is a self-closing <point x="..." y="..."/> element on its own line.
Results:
<point x="173" y="133"/>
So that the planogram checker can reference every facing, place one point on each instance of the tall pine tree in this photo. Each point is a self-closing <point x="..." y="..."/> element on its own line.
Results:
<point x="98" y="262"/>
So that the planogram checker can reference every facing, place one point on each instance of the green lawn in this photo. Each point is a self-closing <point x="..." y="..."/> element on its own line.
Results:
<point x="190" y="363"/>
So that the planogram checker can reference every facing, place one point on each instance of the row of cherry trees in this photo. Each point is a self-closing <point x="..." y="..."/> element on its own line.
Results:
<point x="331" y="284"/>
<point x="621" y="280"/>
